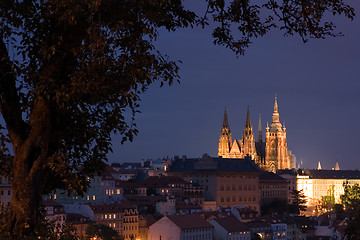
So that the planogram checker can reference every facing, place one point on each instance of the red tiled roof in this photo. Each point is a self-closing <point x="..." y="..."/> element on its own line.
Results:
<point x="231" y="224"/>
<point x="189" y="221"/>
<point x="150" y="220"/>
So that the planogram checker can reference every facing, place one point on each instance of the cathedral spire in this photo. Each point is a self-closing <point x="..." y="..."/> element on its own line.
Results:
<point x="275" y="125"/>
<point x="259" y="130"/>
<point x="225" y="138"/>
<point x="337" y="166"/>
<point x="225" y="122"/>
<point x="248" y="122"/>
<point x="276" y="105"/>
<point x="276" y="116"/>
<point x="319" y="166"/>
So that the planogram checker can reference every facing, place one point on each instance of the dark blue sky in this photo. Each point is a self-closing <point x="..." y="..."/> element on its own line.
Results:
<point x="317" y="84"/>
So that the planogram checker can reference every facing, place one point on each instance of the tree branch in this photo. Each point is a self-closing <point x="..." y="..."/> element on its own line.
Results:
<point x="10" y="106"/>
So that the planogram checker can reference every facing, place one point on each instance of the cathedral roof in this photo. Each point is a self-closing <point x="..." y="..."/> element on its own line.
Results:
<point x="236" y="147"/>
<point x="332" y="174"/>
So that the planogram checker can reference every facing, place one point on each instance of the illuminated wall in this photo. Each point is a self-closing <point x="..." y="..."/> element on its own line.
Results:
<point x="315" y="189"/>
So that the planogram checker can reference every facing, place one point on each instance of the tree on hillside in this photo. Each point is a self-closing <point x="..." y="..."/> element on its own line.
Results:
<point x="328" y="201"/>
<point x="278" y="206"/>
<point x="71" y="70"/>
<point x="298" y="204"/>
<point x="101" y="231"/>
<point x="351" y="200"/>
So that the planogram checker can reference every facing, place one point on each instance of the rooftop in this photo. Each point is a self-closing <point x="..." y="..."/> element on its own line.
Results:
<point x="272" y="177"/>
<point x="212" y="164"/>
<point x="231" y="224"/>
<point x="189" y="221"/>
<point x="332" y="174"/>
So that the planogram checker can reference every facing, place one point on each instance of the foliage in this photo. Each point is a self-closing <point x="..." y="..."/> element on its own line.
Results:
<point x="150" y="191"/>
<point x="71" y="71"/>
<point x="298" y="204"/>
<point x="101" y="231"/>
<point x="328" y="201"/>
<point x="351" y="201"/>
<point x="49" y="230"/>
<point x="351" y="197"/>
<point x="275" y="206"/>
<point x="339" y="210"/>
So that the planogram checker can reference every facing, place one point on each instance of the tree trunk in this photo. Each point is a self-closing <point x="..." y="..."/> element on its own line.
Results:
<point x="29" y="166"/>
<point x="25" y="203"/>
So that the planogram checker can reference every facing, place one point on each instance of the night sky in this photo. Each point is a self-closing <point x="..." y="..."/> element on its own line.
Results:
<point x="317" y="85"/>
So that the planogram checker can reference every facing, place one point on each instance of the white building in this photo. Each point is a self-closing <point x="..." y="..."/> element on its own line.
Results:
<point x="181" y="227"/>
<point x="101" y="189"/>
<point x="166" y="207"/>
<point x="230" y="228"/>
<point x="278" y="229"/>
<point x="319" y="183"/>
<point x="55" y="213"/>
<point x="5" y="192"/>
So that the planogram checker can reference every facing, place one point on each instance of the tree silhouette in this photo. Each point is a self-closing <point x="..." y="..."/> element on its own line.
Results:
<point x="70" y="71"/>
<point x="298" y="204"/>
<point x="351" y="200"/>
<point x="102" y="231"/>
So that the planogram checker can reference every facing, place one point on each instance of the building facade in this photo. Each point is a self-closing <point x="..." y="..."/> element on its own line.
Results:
<point x="317" y="184"/>
<point x="181" y="227"/>
<point x="230" y="228"/>
<point x="122" y="217"/>
<point x="226" y="182"/>
<point x="273" y="187"/>
<point x="5" y="192"/>
<point x="270" y="155"/>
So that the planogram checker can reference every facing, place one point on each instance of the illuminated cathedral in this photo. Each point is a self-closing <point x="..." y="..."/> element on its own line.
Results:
<point x="270" y="155"/>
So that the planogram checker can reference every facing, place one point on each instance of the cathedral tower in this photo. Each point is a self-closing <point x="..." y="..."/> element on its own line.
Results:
<point x="260" y="147"/>
<point x="277" y="156"/>
<point x="248" y="140"/>
<point x="225" y="138"/>
<point x="260" y="136"/>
